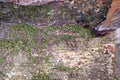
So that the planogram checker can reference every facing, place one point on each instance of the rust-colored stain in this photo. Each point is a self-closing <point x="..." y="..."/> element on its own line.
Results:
<point x="114" y="7"/>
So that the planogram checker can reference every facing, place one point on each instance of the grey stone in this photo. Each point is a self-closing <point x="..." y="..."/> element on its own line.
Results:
<point x="29" y="2"/>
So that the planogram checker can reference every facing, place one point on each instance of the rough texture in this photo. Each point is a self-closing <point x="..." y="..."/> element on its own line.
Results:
<point x="112" y="23"/>
<point x="62" y="13"/>
<point x="29" y="2"/>
<point x="60" y="52"/>
<point x="60" y="49"/>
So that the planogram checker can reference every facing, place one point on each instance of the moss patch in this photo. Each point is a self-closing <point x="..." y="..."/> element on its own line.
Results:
<point x="41" y="77"/>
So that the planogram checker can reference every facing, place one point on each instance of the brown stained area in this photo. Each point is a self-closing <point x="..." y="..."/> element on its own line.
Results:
<point x="114" y="7"/>
<point x="110" y="48"/>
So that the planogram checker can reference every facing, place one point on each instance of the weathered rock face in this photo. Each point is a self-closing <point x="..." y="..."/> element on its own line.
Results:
<point x="75" y="11"/>
<point x="112" y="21"/>
<point x="29" y="2"/>
<point x="93" y="65"/>
<point x="93" y="12"/>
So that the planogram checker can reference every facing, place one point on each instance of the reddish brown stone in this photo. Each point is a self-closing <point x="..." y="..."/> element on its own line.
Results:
<point x="114" y="7"/>
<point x="112" y="21"/>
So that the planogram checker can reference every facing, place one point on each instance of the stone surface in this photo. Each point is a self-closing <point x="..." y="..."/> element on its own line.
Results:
<point x="112" y="23"/>
<point x="90" y="62"/>
<point x="80" y="58"/>
<point x="4" y="32"/>
<point x="29" y="2"/>
<point x="60" y="13"/>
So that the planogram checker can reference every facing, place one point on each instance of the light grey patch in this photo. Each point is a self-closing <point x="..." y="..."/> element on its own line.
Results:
<point x="117" y="36"/>
<point x="1" y="33"/>
<point x="117" y="58"/>
<point x="102" y="28"/>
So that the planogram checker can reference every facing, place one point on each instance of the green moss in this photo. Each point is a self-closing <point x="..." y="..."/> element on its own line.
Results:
<point x="46" y="35"/>
<point x="11" y="46"/>
<point x="49" y="29"/>
<point x="75" y="28"/>
<point x="24" y="35"/>
<point x="32" y="12"/>
<point x="8" y="5"/>
<point x="24" y="30"/>
<point x="90" y="33"/>
<point x="1" y="73"/>
<point x="1" y="59"/>
<point x="43" y="76"/>
<point x="80" y="30"/>
<point x="11" y="65"/>
<point x="45" y="43"/>
<point x="27" y="13"/>
<point x="62" y="67"/>
<point x="1" y="14"/>
<point x="14" y="46"/>
<point x="64" y="37"/>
